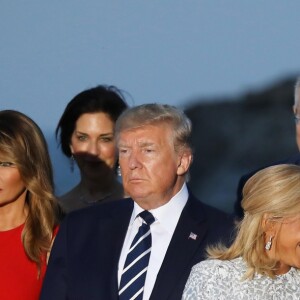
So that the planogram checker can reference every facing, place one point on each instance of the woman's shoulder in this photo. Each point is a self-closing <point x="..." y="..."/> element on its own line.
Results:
<point x="220" y="268"/>
<point x="70" y="200"/>
<point x="69" y="195"/>
<point x="213" y="279"/>
<point x="235" y="263"/>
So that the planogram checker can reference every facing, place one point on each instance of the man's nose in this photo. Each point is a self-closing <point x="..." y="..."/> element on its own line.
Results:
<point x="134" y="161"/>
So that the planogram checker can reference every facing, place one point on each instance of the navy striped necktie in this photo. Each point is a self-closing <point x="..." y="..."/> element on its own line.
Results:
<point x="136" y="264"/>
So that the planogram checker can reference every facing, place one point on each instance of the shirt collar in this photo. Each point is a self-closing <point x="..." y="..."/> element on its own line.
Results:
<point x="172" y="208"/>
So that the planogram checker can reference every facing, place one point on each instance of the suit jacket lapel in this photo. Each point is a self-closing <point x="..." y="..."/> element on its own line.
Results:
<point x="185" y="242"/>
<point x="114" y="230"/>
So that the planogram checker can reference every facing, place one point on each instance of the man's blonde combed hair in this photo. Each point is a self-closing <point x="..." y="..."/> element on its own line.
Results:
<point x="153" y="113"/>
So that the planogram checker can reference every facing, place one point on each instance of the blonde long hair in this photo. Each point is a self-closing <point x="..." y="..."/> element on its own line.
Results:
<point x="274" y="191"/>
<point x="22" y="141"/>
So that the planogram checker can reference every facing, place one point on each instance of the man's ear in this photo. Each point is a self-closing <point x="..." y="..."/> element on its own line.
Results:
<point x="295" y="109"/>
<point x="184" y="162"/>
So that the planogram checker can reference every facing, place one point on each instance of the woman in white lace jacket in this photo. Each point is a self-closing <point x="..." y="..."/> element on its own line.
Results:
<point x="263" y="261"/>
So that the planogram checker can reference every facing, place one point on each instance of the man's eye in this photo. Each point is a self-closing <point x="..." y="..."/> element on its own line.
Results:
<point x="6" y="164"/>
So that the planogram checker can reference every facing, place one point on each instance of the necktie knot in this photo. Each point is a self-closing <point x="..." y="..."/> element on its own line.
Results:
<point x="147" y="217"/>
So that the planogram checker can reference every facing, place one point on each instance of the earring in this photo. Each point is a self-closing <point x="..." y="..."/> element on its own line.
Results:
<point x="119" y="171"/>
<point x="269" y="244"/>
<point x="72" y="161"/>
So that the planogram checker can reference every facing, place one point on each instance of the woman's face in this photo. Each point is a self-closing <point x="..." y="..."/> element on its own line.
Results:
<point x="93" y="145"/>
<point x="287" y="243"/>
<point x="12" y="188"/>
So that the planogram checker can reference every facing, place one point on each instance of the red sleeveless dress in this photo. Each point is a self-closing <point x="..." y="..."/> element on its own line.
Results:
<point x="18" y="275"/>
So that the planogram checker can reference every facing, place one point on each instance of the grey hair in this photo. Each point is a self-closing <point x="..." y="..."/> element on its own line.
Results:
<point x="153" y="113"/>
<point x="297" y="93"/>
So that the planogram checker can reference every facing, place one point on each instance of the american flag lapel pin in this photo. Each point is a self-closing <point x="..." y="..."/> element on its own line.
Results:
<point x="193" y="236"/>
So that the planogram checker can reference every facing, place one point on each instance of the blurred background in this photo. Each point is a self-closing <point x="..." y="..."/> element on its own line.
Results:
<point x="231" y="65"/>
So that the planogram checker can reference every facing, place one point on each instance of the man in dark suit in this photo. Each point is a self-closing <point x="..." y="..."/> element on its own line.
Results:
<point x="295" y="159"/>
<point x="89" y="259"/>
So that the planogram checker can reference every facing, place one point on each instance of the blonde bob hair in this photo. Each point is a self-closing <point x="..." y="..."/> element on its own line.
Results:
<point x="275" y="192"/>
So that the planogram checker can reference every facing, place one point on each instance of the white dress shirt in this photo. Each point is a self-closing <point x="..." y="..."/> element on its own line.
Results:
<point x="166" y="219"/>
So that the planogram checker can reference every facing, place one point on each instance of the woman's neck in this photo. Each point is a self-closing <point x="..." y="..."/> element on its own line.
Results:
<point x="282" y="269"/>
<point x="12" y="215"/>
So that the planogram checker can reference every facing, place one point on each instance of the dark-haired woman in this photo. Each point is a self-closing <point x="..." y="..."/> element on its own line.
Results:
<point x="86" y="135"/>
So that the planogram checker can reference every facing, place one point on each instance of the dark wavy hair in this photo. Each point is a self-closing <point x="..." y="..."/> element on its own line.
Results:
<point x="102" y="98"/>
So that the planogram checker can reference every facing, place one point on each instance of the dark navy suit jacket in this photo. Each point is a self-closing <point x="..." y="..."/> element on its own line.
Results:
<point x="238" y="211"/>
<point x="84" y="260"/>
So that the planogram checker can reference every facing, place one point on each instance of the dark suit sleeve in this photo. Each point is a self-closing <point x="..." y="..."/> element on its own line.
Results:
<point x="55" y="282"/>
<point x="238" y="211"/>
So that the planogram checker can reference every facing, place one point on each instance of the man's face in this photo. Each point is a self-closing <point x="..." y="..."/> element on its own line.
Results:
<point x="152" y="171"/>
<point x="297" y="114"/>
